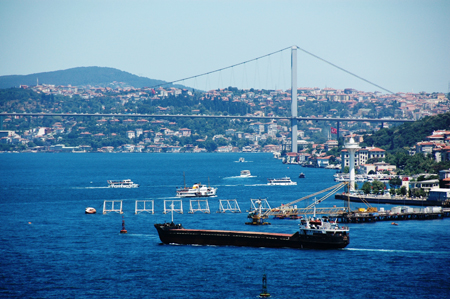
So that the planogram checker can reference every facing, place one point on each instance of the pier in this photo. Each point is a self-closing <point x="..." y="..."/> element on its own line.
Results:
<point x="405" y="213"/>
<point x="388" y="199"/>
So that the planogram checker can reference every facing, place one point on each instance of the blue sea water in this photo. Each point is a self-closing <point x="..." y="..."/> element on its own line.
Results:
<point x="51" y="249"/>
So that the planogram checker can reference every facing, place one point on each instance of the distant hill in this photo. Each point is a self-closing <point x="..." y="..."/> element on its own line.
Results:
<point x="408" y="134"/>
<point x="81" y="76"/>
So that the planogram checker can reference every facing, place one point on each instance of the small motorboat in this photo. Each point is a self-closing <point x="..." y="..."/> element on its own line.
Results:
<point x="90" y="210"/>
<point x="302" y="175"/>
<point x="393" y="223"/>
<point x="245" y="173"/>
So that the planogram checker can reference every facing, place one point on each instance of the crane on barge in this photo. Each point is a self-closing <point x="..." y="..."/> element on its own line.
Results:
<point x="287" y="209"/>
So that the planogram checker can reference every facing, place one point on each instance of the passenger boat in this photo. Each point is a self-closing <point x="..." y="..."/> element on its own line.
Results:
<point x="122" y="184"/>
<point x="323" y="235"/>
<point x="197" y="190"/>
<point x="245" y="173"/>
<point x="281" y="182"/>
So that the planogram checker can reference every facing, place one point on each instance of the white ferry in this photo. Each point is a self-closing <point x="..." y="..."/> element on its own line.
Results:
<point x="286" y="181"/>
<point x="245" y="173"/>
<point x="122" y="184"/>
<point x="197" y="190"/>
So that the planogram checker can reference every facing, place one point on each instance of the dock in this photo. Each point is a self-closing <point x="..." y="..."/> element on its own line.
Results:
<point x="396" y="214"/>
<point x="393" y="200"/>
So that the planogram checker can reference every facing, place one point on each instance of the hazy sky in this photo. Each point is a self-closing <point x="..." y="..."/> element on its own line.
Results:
<point x="403" y="46"/>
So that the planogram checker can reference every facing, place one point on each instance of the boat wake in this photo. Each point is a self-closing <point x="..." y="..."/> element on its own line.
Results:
<point x="239" y="177"/>
<point x="90" y="187"/>
<point x="398" y="251"/>
<point x="245" y="185"/>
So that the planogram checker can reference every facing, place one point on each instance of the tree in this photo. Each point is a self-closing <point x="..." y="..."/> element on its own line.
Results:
<point x="210" y="146"/>
<point x="395" y="182"/>
<point x="403" y="190"/>
<point x="377" y="187"/>
<point x="366" y="188"/>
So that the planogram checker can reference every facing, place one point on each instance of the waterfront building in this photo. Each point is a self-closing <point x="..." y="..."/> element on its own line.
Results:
<point x="362" y="155"/>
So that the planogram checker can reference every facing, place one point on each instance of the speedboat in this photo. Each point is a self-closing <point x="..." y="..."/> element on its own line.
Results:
<point x="122" y="184"/>
<point x="245" y="173"/>
<point x="197" y="190"/>
<point x="241" y="159"/>
<point x="286" y="181"/>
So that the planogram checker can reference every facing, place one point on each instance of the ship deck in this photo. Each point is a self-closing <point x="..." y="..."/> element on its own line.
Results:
<point x="235" y="232"/>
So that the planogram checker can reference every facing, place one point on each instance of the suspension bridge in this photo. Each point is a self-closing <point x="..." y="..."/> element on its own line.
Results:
<point x="294" y="118"/>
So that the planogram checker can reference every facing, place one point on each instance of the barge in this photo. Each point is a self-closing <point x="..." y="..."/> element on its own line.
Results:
<point x="312" y="234"/>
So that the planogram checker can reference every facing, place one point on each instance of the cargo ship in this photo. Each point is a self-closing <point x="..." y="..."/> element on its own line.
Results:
<point x="312" y="234"/>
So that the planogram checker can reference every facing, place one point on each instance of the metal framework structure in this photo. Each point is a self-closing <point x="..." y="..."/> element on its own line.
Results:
<point x="199" y="205"/>
<point x="144" y="206"/>
<point x="228" y="205"/>
<point x="321" y="211"/>
<point x="111" y="206"/>
<point x="174" y="206"/>
<point x="310" y="209"/>
<point x="256" y="203"/>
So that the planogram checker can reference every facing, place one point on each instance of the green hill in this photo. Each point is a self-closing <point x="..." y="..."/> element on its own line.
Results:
<point x="408" y="134"/>
<point x="80" y="76"/>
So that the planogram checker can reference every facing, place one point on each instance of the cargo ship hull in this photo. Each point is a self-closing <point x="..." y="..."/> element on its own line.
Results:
<point x="176" y="234"/>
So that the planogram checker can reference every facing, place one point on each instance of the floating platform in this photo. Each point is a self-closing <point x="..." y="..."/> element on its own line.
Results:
<point x="175" y="206"/>
<point x="144" y="206"/>
<point x="199" y="205"/>
<point x="228" y="205"/>
<point x="112" y="206"/>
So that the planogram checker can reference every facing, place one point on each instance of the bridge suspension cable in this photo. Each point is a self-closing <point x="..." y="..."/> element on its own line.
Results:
<point x="222" y="69"/>
<point x="267" y="55"/>
<point x="344" y="70"/>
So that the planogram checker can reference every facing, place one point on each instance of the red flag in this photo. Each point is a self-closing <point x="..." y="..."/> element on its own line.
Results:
<point x="333" y="130"/>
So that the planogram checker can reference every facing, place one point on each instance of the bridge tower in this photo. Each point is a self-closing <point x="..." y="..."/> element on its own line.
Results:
<point x="294" y="99"/>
